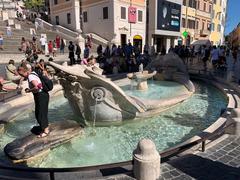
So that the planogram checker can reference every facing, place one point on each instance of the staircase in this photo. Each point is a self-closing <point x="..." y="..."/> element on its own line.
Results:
<point x="12" y="44"/>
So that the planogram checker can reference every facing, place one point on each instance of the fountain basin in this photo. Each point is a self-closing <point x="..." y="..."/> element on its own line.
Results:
<point x="115" y="143"/>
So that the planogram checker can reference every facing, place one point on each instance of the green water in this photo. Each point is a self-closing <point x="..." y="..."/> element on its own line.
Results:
<point x="114" y="144"/>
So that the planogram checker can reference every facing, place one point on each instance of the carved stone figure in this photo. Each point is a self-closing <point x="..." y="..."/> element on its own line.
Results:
<point x="93" y="97"/>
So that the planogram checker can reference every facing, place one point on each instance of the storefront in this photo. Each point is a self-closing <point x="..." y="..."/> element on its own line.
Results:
<point x="137" y="41"/>
<point x="165" y="29"/>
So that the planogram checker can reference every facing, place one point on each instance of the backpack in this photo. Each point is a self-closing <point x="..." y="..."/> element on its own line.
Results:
<point x="46" y="82"/>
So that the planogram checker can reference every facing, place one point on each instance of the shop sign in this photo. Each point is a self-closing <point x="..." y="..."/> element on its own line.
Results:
<point x="168" y="16"/>
<point x="132" y="14"/>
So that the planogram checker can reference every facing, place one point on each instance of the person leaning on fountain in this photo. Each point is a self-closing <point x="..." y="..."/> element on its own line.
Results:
<point x="41" y="99"/>
<point x="12" y="73"/>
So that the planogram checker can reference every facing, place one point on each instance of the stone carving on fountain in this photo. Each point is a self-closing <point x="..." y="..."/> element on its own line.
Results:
<point x="141" y="79"/>
<point x="171" y="67"/>
<point x="92" y="96"/>
<point x="27" y="148"/>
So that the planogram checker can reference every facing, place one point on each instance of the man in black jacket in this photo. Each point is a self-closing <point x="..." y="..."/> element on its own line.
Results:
<point x="71" y="53"/>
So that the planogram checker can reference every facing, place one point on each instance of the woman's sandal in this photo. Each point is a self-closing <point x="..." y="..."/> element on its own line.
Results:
<point x="44" y="134"/>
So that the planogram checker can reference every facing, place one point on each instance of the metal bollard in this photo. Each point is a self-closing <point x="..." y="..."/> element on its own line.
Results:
<point x="146" y="161"/>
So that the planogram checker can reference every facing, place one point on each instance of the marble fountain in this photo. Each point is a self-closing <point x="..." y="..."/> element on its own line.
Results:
<point x="112" y="109"/>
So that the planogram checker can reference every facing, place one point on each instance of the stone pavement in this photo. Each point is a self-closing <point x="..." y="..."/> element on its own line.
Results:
<point x="220" y="162"/>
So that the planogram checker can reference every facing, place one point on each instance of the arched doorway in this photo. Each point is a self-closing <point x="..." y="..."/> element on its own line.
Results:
<point x="137" y="41"/>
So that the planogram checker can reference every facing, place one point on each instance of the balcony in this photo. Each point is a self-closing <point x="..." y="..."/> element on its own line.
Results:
<point x="204" y="32"/>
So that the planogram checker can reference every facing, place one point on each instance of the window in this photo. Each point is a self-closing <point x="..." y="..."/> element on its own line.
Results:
<point x="220" y="2"/>
<point x="214" y="1"/>
<point x="197" y="24"/>
<point x="68" y="18"/>
<point x="55" y="1"/>
<point x="204" y="6"/>
<point x="105" y="13"/>
<point x="203" y="25"/>
<point x="123" y="13"/>
<point x="57" y="20"/>
<point x="213" y="27"/>
<point x="85" y="18"/>
<point x="219" y="28"/>
<point x="191" y="24"/>
<point x="184" y="2"/>
<point x="183" y="22"/>
<point x="213" y="14"/>
<point x="219" y="16"/>
<point x="198" y="4"/>
<point x="209" y="26"/>
<point x="210" y="8"/>
<point x="192" y="3"/>
<point x="140" y="16"/>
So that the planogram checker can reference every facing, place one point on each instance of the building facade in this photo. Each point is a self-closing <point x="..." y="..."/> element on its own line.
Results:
<point x="234" y="37"/>
<point x="65" y="13"/>
<point x="218" y="22"/>
<point x="164" y="23"/>
<point x="203" y="19"/>
<point x="188" y="22"/>
<point x="119" y="21"/>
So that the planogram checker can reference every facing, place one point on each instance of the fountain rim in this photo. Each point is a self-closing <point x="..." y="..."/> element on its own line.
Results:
<point x="219" y="125"/>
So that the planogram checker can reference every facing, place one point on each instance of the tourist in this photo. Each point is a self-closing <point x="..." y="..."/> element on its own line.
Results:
<point x="5" y="86"/>
<point x="215" y="57"/>
<point x="54" y="48"/>
<point x="58" y="41"/>
<point x="62" y="46"/>
<point x="50" y="48"/>
<point x="40" y="68"/>
<point x="41" y="99"/>
<point x="43" y="43"/>
<point x="9" y="31"/>
<point x="1" y="41"/>
<point x="206" y="56"/>
<point x="86" y="51"/>
<point x="78" y="51"/>
<point x="12" y="73"/>
<point x="99" y="50"/>
<point x="229" y="61"/>
<point x="36" y="25"/>
<point x="71" y="53"/>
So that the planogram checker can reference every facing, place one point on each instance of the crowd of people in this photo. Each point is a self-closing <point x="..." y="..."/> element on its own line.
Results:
<point x="112" y="60"/>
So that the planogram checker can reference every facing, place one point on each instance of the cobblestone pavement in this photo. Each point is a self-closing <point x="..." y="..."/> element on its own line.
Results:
<point x="220" y="162"/>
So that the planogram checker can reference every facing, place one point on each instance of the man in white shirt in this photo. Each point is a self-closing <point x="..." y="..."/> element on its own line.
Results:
<point x="43" y="43"/>
<point x="215" y="56"/>
<point x="41" y="99"/>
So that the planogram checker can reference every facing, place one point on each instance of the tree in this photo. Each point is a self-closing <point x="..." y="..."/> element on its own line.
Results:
<point x="34" y="4"/>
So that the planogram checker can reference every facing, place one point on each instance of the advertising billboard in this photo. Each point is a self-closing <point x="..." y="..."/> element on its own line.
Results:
<point x="132" y="14"/>
<point x="168" y="16"/>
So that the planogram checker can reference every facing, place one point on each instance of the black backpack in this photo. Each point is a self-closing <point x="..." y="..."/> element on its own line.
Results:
<point x="46" y="82"/>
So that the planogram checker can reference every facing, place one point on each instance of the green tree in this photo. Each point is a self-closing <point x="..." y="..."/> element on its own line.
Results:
<point x="34" y="4"/>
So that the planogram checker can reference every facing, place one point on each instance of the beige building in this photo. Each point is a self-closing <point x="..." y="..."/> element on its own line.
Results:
<point x="218" y="22"/>
<point x="203" y="19"/>
<point x="234" y="37"/>
<point x="188" y="21"/>
<point x="118" y="21"/>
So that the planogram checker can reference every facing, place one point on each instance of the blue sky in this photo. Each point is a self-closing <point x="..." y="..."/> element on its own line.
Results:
<point x="233" y="17"/>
